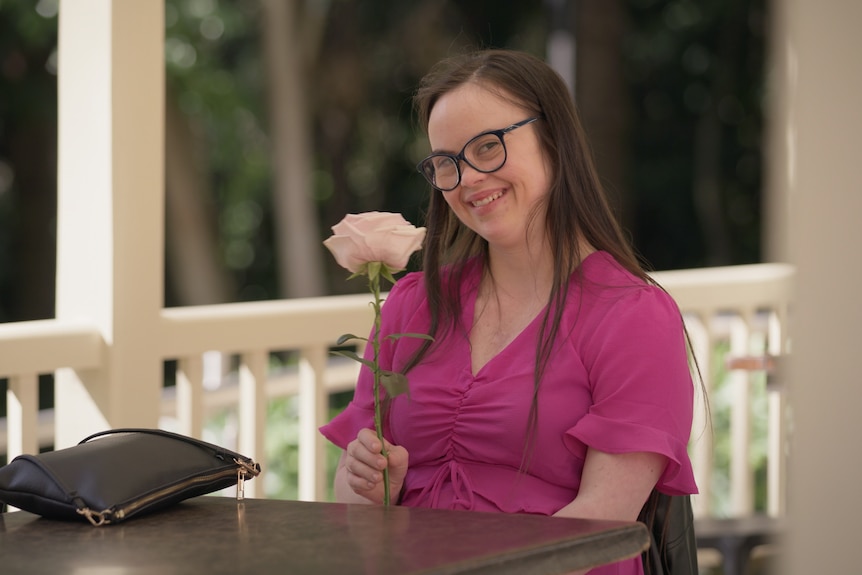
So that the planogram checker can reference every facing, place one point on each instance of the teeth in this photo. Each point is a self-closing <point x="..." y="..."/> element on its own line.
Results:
<point x="486" y="201"/>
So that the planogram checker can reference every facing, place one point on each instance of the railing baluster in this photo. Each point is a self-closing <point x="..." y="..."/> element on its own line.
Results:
<point x="313" y="403"/>
<point x="253" y="371"/>
<point x="190" y="395"/>
<point x="741" y="476"/>
<point x="701" y="430"/>
<point x="776" y="458"/>
<point x="22" y="412"/>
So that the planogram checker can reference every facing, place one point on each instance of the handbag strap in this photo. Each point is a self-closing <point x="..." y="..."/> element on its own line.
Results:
<point x="220" y="452"/>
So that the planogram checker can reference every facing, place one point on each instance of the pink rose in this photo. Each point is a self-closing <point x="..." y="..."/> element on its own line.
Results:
<point x="374" y="237"/>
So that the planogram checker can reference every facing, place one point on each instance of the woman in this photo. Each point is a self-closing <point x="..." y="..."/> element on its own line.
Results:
<point x="558" y="380"/>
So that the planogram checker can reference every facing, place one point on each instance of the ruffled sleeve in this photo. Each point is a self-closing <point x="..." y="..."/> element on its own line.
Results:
<point x="641" y="386"/>
<point x="400" y="304"/>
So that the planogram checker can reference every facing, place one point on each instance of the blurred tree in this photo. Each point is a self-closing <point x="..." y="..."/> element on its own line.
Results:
<point x="291" y="43"/>
<point x="695" y="72"/>
<point x="28" y="159"/>
<point x="670" y="93"/>
<point x="603" y="97"/>
<point x="216" y="163"/>
<point x="191" y="247"/>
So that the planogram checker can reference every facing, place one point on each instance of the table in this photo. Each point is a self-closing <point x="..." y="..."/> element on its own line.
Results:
<point x="215" y="535"/>
<point x="736" y="537"/>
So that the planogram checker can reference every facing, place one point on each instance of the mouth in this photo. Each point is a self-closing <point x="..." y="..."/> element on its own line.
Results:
<point x="487" y="200"/>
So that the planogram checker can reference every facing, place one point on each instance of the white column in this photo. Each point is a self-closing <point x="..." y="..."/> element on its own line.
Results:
<point x="825" y="379"/>
<point x="110" y="226"/>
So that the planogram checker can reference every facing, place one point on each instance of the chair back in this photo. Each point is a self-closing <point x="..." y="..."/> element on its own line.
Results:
<point x="673" y="547"/>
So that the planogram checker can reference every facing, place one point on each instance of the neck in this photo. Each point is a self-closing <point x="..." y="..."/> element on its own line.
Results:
<point x="521" y="273"/>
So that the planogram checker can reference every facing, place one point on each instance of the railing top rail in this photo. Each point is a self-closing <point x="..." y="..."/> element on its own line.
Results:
<point x="43" y="346"/>
<point x="749" y="286"/>
<point x="274" y="324"/>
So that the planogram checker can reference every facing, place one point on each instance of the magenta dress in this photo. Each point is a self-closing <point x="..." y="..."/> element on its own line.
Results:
<point x="617" y="381"/>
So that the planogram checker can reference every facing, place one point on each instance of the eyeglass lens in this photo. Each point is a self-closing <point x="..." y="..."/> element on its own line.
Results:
<point x="485" y="153"/>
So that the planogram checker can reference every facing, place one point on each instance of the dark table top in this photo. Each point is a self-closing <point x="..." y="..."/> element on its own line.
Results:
<point x="216" y="535"/>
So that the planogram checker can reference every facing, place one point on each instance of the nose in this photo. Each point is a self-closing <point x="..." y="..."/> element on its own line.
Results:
<point x="470" y="176"/>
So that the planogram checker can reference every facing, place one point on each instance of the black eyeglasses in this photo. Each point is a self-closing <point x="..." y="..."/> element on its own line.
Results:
<point x="485" y="153"/>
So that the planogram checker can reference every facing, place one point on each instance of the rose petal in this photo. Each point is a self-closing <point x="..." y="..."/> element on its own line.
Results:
<point x="344" y="250"/>
<point x="374" y="237"/>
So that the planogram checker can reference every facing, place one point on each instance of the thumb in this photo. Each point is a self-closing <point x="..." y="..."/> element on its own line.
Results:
<point x="398" y="463"/>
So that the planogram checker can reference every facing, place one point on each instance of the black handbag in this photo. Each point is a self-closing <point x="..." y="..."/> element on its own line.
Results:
<point x="117" y="474"/>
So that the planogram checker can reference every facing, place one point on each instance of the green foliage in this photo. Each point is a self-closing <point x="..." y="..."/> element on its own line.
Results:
<point x="696" y="76"/>
<point x="214" y="73"/>
<point x="684" y="62"/>
<point x="721" y="401"/>
<point x="282" y="444"/>
<point x="28" y="116"/>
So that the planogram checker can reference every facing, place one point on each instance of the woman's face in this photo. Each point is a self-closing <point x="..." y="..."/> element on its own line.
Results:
<point x="497" y="205"/>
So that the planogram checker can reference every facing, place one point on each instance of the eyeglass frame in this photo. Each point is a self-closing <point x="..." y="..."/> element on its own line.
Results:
<point x="459" y="157"/>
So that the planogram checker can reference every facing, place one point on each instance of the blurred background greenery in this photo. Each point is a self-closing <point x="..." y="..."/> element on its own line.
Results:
<point x="671" y="93"/>
<point x="283" y="116"/>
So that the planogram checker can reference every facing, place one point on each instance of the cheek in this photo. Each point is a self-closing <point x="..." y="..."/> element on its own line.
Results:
<point x="544" y="176"/>
<point x="451" y="199"/>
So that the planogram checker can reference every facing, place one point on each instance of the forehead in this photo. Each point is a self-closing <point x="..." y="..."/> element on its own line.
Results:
<point x="466" y="111"/>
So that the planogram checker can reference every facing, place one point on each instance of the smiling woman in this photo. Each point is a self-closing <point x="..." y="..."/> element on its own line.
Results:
<point x="557" y="381"/>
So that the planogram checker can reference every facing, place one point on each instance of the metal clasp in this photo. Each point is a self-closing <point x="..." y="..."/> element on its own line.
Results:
<point x="97" y="518"/>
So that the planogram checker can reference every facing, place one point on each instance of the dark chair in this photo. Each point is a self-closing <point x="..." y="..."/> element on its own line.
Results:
<point x="673" y="545"/>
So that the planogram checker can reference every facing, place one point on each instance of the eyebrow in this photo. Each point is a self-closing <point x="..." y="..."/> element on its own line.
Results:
<point x="473" y="137"/>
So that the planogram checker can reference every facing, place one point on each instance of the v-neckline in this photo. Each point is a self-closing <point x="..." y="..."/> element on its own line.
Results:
<point x="469" y="317"/>
<point x="469" y="311"/>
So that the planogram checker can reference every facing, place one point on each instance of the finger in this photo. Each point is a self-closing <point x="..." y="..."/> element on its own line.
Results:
<point x="366" y="448"/>
<point x="359" y="483"/>
<point x="368" y="437"/>
<point x="362" y="463"/>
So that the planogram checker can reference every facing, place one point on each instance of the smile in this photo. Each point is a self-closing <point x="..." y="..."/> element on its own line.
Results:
<point x="486" y="201"/>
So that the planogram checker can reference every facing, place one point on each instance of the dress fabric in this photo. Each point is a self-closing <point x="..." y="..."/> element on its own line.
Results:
<point x="618" y="381"/>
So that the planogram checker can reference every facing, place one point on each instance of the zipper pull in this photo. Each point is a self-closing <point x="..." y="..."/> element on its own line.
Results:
<point x="244" y="469"/>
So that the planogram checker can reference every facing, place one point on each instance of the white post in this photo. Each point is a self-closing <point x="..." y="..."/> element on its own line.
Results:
<point x="825" y="91"/>
<point x="313" y="405"/>
<point x="253" y="375"/>
<point x="110" y="208"/>
<point x="22" y="408"/>
<point x="741" y="475"/>
<point x="702" y="441"/>
<point x="190" y="396"/>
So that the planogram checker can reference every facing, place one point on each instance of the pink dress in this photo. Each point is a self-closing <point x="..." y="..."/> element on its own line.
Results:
<point x="618" y="381"/>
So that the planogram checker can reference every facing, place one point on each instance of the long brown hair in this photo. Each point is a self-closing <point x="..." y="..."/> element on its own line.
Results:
<point x="575" y="208"/>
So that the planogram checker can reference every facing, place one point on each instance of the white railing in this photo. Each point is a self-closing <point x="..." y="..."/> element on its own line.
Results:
<point x="744" y="307"/>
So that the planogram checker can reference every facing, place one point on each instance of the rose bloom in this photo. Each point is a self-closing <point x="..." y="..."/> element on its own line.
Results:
<point x="374" y="237"/>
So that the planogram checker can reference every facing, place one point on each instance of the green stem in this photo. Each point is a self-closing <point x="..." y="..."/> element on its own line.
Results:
<point x="374" y="286"/>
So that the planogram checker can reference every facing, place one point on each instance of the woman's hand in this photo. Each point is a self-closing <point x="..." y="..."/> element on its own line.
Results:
<point x="360" y="470"/>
